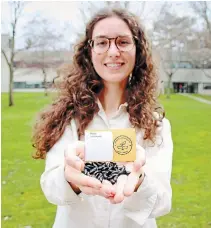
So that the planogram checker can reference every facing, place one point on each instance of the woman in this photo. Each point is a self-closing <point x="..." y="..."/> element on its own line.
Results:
<point x="112" y="84"/>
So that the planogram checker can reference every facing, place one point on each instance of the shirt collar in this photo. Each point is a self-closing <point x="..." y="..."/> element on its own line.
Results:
<point x="121" y="107"/>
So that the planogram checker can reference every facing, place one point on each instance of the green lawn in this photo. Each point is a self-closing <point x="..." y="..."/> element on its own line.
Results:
<point x="207" y="97"/>
<point x="23" y="203"/>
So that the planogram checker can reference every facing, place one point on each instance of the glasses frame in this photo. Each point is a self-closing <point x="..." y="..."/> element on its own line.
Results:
<point x="91" y="42"/>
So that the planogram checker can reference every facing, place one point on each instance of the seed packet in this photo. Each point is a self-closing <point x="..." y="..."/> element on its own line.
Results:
<point x="113" y="145"/>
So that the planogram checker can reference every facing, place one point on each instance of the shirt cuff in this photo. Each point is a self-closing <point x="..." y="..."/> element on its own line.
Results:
<point x="56" y="189"/>
<point x="139" y="206"/>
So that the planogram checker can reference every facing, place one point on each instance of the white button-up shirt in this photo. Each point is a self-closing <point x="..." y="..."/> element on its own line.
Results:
<point x="152" y="199"/>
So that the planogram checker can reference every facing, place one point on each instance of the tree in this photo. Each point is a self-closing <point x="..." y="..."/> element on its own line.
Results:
<point x="42" y="39"/>
<point x="16" y="12"/>
<point x="202" y="12"/>
<point x="87" y="9"/>
<point x="170" y="34"/>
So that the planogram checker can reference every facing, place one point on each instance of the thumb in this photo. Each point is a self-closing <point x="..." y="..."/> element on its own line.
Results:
<point x="70" y="150"/>
<point x="80" y="149"/>
<point x="140" y="158"/>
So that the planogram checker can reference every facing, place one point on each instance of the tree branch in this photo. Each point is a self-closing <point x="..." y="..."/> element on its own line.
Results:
<point x="206" y="74"/>
<point x="206" y="19"/>
<point x="5" y="56"/>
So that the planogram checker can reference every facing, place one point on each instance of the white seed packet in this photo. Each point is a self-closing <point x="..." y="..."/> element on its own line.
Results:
<point x="98" y="146"/>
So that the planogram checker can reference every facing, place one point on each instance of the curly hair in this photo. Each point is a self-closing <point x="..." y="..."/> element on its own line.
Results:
<point x="79" y="90"/>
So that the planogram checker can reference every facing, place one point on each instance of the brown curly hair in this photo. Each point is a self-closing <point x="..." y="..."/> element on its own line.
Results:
<point x="80" y="88"/>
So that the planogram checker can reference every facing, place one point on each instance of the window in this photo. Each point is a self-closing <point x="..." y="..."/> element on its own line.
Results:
<point x="19" y="85"/>
<point x="28" y="85"/>
<point x="207" y="86"/>
<point x="182" y="65"/>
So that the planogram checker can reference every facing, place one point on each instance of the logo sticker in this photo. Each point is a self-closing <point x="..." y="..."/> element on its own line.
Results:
<point x="122" y="145"/>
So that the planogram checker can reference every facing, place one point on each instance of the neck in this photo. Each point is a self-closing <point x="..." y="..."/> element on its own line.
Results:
<point x="112" y="96"/>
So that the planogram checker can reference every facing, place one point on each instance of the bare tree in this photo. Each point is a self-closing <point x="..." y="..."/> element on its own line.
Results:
<point x="16" y="12"/>
<point x="203" y="14"/>
<point x="42" y="38"/>
<point x="203" y="11"/>
<point x="169" y="34"/>
<point x="87" y="9"/>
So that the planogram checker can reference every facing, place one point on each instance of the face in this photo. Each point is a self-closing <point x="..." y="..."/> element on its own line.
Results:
<point x="114" y="65"/>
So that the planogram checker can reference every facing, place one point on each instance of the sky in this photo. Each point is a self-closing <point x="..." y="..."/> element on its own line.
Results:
<point x="57" y="9"/>
<point x="66" y="17"/>
<point x="57" y="12"/>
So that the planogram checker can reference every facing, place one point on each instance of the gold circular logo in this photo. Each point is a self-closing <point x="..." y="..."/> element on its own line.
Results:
<point x="122" y="145"/>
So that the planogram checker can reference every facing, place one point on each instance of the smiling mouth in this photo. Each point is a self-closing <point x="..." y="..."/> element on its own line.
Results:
<point x="114" y="65"/>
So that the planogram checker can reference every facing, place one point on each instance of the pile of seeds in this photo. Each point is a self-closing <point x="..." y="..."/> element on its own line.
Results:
<point x="104" y="171"/>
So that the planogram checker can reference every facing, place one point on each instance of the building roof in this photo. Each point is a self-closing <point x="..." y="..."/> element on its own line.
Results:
<point x="33" y="75"/>
<point x="192" y="75"/>
<point x="46" y="56"/>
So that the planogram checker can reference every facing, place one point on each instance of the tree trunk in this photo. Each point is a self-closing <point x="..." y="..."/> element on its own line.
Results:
<point x="168" y="94"/>
<point x="11" y="101"/>
<point x="45" y="82"/>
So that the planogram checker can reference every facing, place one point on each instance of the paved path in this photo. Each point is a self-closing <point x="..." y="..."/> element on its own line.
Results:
<point x="196" y="98"/>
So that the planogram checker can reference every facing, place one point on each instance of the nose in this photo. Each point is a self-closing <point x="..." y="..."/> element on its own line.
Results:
<point x="113" y="50"/>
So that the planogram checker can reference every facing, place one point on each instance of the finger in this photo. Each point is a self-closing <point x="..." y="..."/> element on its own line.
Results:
<point x="80" y="149"/>
<point x="89" y="190"/>
<point x="70" y="150"/>
<point x="81" y="156"/>
<point x="140" y="159"/>
<point x="79" y="179"/>
<point x="75" y="162"/>
<point x="71" y="159"/>
<point x="131" y="183"/>
<point x="111" y="198"/>
<point x="107" y="189"/>
<point x="129" y="166"/>
<point x="121" y="181"/>
<point x="104" y="190"/>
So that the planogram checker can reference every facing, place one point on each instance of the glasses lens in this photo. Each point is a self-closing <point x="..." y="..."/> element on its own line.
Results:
<point x="100" y="45"/>
<point x="125" y="43"/>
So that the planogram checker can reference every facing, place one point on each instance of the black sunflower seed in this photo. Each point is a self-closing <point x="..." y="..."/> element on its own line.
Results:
<point x="105" y="171"/>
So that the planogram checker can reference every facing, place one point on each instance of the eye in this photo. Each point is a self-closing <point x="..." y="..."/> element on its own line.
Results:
<point x="101" y="43"/>
<point x="124" y="42"/>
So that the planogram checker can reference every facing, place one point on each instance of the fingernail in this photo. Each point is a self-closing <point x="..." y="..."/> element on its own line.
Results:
<point x="112" y="194"/>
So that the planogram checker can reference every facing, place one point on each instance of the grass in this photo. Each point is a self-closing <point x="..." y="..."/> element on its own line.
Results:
<point x="207" y="97"/>
<point x="23" y="203"/>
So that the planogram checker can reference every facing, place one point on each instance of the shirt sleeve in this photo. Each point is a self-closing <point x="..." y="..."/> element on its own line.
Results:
<point x="53" y="183"/>
<point x="153" y="197"/>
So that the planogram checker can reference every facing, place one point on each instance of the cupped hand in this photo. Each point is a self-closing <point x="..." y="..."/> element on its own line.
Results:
<point x="126" y="185"/>
<point x="74" y="165"/>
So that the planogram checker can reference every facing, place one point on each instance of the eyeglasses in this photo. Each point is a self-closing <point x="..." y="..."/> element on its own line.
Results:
<point x="101" y="45"/>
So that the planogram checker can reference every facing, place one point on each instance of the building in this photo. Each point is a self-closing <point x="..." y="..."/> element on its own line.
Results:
<point x="192" y="81"/>
<point x="185" y="78"/>
<point x="28" y="66"/>
<point x="28" y="74"/>
<point x="32" y="79"/>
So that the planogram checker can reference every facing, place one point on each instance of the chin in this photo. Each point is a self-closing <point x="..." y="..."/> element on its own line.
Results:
<point x="115" y="78"/>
